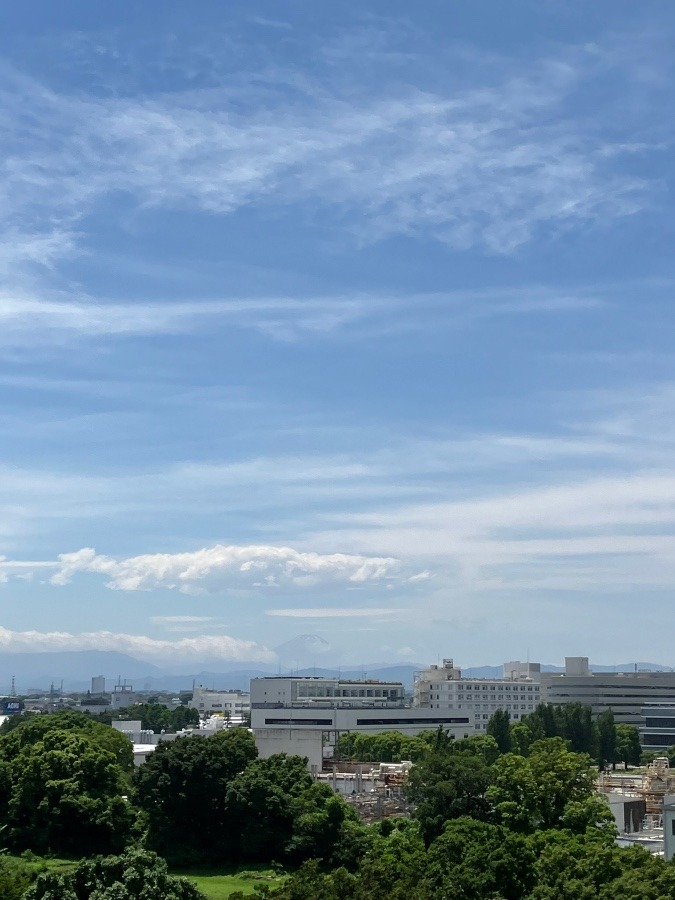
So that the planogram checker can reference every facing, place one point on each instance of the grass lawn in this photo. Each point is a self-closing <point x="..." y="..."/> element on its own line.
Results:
<point x="216" y="884"/>
<point x="37" y="864"/>
<point x="219" y="884"/>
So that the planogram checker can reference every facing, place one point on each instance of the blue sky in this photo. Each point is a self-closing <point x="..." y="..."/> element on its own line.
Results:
<point x="343" y="320"/>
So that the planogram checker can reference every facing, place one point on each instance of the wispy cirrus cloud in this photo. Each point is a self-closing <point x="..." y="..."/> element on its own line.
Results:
<point x="335" y="612"/>
<point x="180" y="620"/>
<point x="28" y="320"/>
<point x="599" y="533"/>
<point x="486" y="167"/>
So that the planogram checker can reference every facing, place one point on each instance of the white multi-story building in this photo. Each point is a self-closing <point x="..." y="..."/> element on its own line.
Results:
<point x="443" y="688"/>
<point x="289" y="690"/>
<point x="306" y="716"/>
<point x="234" y="705"/>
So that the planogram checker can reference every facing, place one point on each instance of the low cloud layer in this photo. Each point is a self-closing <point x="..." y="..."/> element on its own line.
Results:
<point x="220" y="647"/>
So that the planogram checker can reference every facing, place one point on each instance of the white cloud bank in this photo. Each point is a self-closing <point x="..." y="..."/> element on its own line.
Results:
<point x="221" y="567"/>
<point x="221" y="647"/>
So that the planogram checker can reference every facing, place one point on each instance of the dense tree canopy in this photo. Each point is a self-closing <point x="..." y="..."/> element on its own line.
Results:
<point x="447" y="785"/>
<point x="534" y="791"/>
<point x="499" y="727"/>
<point x="182" y="786"/>
<point x="32" y="729"/>
<point x="62" y="785"/>
<point x="277" y="813"/>
<point x="508" y="815"/>
<point x="388" y="746"/>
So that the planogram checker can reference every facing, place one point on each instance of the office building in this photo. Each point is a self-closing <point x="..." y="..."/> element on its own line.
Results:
<point x="306" y="716"/>
<point x="657" y="727"/>
<point x="233" y="705"/>
<point x="625" y="693"/>
<point x="442" y="687"/>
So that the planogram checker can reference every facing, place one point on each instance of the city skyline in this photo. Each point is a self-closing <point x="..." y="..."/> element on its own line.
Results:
<point x="348" y="323"/>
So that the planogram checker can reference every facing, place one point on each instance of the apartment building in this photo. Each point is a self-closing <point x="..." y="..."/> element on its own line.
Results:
<point x="442" y="687"/>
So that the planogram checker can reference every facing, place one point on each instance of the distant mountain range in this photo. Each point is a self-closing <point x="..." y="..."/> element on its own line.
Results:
<point x="75" y="670"/>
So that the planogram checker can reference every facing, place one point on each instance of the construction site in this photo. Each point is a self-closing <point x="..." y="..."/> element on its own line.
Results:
<point x="636" y="798"/>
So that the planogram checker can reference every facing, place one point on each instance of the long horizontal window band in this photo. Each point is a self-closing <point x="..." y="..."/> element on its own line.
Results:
<point x="416" y="721"/>
<point x="657" y="740"/>
<point x="298" y="721"/>
<point x="660" y="723"/>
<point x="434" y="721"/>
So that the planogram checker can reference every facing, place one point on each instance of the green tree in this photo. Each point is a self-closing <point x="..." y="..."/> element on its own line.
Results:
<point x="259" y="803"/>
<point x="483" y="745"/>
<point x="136" y="875"/>
<point x="65" y="794"/>
<point x="310" y="882"/>
<point x="533" y="792"/>
<point x="154" y="717"/>
<point x="446" y="786"/>
<point x="578" y="728"/>
<point x="544" y="722"/>
<point x="606" y="730"/>
<point x="478" y="861"/>
<point x="35" y="728"/>
<point x="395" y="863"/>
<point x="575" y="867"/>
<point x="499" y="728"/>
<point x="388" y="746"/>
<point x="183" y="785"/>
<point x="320" y="817"/>
<point x="521" y="738"/>
<point x="628" y="747"/>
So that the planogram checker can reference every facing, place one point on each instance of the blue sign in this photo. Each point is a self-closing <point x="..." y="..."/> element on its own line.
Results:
<point x="11" y="707"/>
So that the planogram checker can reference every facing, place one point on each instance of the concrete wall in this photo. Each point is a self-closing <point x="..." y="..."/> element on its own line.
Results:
<point x="293" y="742"/>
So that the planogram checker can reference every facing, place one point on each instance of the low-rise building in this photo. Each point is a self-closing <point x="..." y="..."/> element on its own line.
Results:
<point x="306" y="716"/>
<point x="232" y="705"/>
